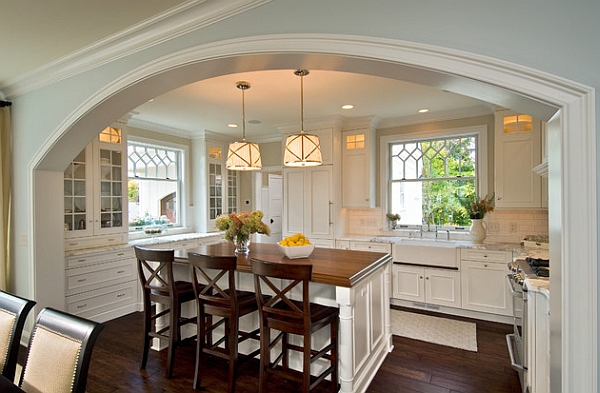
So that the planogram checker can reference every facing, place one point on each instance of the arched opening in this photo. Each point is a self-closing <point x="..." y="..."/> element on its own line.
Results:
<point x="523" y="89"/>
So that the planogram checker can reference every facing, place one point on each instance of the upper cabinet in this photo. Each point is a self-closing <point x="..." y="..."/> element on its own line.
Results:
<point x="358" y="168"/>
<point x="517" y="151"/>
<point x="95" y="197"/>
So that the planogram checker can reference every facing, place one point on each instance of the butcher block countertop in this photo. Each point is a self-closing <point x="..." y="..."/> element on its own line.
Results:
<point x="344" y="268"/>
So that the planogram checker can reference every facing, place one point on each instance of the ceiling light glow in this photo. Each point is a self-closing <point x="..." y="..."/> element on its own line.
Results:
<point x="423" y="110"/>
<point x="347" y="106"/>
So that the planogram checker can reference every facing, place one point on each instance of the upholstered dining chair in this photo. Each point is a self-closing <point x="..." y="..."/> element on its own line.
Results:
<point x="220" y="303"/>
<point x="59" y="353"/>
<point x="155" y="269"/>
<point x="283" y="313"/>
<point x="13" y="313"/>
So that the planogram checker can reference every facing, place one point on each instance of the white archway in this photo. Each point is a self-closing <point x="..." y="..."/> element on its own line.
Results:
<point x="473" y="75"/>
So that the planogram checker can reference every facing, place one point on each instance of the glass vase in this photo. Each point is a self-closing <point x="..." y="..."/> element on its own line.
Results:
<point x="242" y="244"/>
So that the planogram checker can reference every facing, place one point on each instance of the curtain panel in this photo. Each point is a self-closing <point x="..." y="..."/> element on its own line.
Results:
<point x="5" y="195"/>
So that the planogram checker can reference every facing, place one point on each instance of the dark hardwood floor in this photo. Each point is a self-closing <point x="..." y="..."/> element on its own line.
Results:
<point x="413" y="366"/>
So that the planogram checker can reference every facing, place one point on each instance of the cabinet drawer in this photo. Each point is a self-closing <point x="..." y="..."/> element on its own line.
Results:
<point x="101" y="275"/>
<point x="104" y="300"/>
<point x="370" y="246"/>
<point x="99" y="257"/>
<point x="485" y="255"/>
<point x="95" y="241"/>
<point x="176" y="245"/>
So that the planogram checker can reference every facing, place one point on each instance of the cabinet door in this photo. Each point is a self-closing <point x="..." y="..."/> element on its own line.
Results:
<point x="293" y="202"/>
<point x="357" y="170"/>
<point x="484" y="288"/>
<point x="319" y="202"/>
<point x="517" y="152"/>
<point x="110" y="201"/>
<point x="78" y="190"/>
<point x="442" y="287"/>
<point x="408" y="283"/>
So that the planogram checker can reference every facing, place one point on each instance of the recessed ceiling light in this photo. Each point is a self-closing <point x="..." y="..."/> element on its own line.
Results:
<point x="347" y="106"/>
<point x="423" y="110"/>
<point x="255" y="121"/>
<point x="232" y="125"/>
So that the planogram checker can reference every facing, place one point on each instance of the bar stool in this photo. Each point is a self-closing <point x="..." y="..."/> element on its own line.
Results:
<point x="289" y="316"/>
<point x="155" y="269"/>
<point x="220" y="298"/>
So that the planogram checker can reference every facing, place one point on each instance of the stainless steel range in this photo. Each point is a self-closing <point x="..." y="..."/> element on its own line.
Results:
<point x="533" y="262"/>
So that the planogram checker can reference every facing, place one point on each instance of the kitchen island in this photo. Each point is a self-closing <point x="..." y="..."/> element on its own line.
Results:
<point x="357" y="282"/>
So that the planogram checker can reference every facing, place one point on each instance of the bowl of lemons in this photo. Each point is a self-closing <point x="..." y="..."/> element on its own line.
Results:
<point x="296" y="246"/>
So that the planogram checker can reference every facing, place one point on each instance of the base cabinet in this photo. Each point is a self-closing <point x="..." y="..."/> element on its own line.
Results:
<point x="483" y="284"/>
<point x="102" y="285"/>
<point x="426" y="285"/>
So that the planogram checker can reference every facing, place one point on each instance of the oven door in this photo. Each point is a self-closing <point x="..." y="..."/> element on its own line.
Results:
<point x="516" y="291"/>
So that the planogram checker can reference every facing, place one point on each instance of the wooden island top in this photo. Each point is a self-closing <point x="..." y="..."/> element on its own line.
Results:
<point x="344" y="268"/>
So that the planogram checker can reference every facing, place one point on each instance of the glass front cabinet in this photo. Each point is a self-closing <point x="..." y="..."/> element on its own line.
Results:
<point x="95" y="188"/>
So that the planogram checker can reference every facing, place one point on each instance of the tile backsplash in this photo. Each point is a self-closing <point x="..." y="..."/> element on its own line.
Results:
<point x="503" y="226"/>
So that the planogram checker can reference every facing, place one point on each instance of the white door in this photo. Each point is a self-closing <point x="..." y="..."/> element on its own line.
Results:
<point x="274" y="208"/>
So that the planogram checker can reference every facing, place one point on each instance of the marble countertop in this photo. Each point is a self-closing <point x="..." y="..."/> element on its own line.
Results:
<point x="541" y="285"/>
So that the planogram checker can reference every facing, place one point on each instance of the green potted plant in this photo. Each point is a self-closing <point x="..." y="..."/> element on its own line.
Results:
<point x="393" y="217"/>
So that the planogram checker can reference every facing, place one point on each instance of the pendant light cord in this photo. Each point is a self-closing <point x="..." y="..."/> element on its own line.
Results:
<point x="243" y="116"/>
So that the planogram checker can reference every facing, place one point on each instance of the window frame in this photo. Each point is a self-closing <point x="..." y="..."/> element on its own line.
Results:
<point x="182" y="171"/>
<point x="481" y="162"/>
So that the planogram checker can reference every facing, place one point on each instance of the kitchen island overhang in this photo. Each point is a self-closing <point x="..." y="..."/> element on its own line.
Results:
<point x="357" y="282"/>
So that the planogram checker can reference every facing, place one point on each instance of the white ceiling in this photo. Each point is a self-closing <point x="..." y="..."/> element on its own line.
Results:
<point x="36" y="33"/>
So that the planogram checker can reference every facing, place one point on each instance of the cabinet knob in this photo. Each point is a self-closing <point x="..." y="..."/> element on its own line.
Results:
<point x="427" y="278"/>
<point x="485" y="265"/>
<point x="421" y="277"/>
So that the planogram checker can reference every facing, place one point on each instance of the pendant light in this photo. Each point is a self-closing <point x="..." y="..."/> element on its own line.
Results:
<point x="243" y="156"/>
<point x="302" y="149"/>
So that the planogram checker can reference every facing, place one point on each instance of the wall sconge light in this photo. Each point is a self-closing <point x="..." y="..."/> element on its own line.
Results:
<point x="243" y="156"/>
<point x="302" y="149"/>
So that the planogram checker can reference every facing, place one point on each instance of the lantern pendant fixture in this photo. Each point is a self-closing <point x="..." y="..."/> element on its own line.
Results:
<point x="302" y="149"/>
<point x="243" y="156"/>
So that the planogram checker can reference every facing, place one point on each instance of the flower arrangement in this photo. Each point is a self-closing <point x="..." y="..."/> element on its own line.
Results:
<point x="477" y="207"/>
<point x="393" y="216"/>
<point x="239" y="226"/>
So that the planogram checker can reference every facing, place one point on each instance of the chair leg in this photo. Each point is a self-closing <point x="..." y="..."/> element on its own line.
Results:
<point x="147" y="339"/>
<point x="173" y="337"/>
<point x="334" y="355"/>
<point x="265" y="357"/>
<point x="306" y="363"/>
<point x="233" y="330"/>
<point x="200" y="336"/>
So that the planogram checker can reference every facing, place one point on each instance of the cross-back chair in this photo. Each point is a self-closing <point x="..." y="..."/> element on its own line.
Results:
<point x="298" y="317"/>
<point x="155" y="270"/>
<point x="220" y="298"/>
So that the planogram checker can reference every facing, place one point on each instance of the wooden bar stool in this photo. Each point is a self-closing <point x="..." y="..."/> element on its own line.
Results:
<point x="220" y="298"/>
<point x="155" y="269"/>
<point x="289" y="316"/>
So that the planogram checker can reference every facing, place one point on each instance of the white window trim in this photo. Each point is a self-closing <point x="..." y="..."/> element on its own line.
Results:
<point x="482" y="156"/>
<point x="185" y="188"/>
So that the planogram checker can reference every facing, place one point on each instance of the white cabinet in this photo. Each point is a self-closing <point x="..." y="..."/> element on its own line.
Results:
<point x="95" y="196"/>
<point x="358" y="169"/>
<point x="517" y="151"/>
<point x="426" y="285"/>
<point x="538" y="342"/>
<point x="308" y="202"/>
<point x="371" y="246"/>
<point x="102" y="285"/>
<point x="483" y="281"/>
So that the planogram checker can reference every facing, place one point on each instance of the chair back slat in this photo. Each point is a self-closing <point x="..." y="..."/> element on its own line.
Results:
<point x="282" y="304"/>
<point x="218" y="272"/>
<point x="155" y="269"/>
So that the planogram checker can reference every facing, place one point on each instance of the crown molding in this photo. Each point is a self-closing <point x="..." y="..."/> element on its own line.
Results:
<point x="480" y="110"/>
<point x="189" y="16"/>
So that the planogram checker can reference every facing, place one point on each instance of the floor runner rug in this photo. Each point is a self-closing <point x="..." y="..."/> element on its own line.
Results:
<point x="437" y="330"/>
